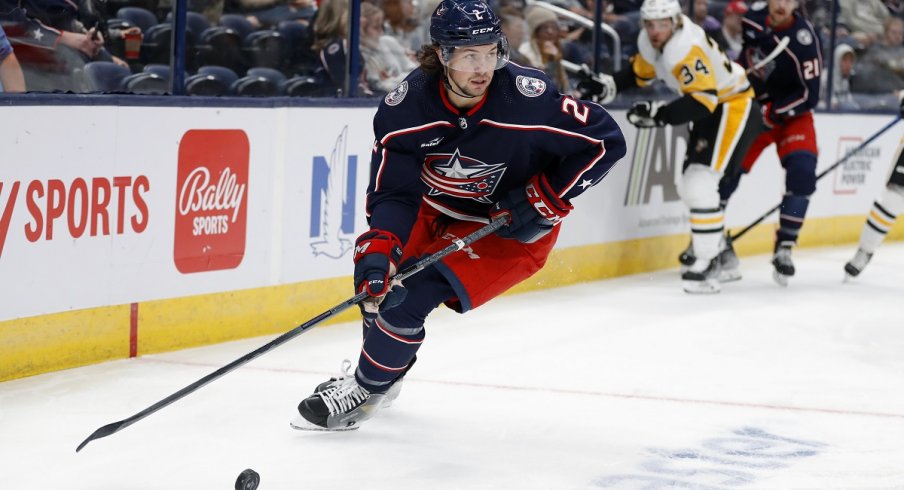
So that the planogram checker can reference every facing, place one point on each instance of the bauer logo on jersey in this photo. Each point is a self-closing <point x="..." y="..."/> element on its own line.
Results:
<point x="459" y="176"/>
<point x="397" y="95"/>
<point x="211" y="200"/>
<point x="530" y="86"/>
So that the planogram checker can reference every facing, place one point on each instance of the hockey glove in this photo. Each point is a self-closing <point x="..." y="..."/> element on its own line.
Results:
<point x="770" y="118"/>
<point x="534" y="210"/>
<point x="599" y="87"/>
<point x="643" y="114"/>
<point x="377" y="255"/>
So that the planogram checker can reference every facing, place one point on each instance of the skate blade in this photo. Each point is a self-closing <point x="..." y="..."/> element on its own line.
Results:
<point x="302" y="424"/>
<point x="780" y="279"/>
<point x="729" y="276"/>
<point x="701" y="287"/>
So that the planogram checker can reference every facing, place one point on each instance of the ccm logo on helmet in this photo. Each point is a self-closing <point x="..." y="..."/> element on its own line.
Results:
<point x="481" y="31"/>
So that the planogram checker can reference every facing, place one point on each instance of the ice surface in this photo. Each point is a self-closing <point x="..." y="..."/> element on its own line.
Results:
<point x="626" y="383"/>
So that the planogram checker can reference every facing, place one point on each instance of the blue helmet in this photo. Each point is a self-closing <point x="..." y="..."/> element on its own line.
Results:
<point x="464" y="23"/>
<point x="458" y="23"/>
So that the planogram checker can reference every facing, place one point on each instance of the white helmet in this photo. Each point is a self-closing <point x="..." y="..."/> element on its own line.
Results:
<point x="660" y="9"/>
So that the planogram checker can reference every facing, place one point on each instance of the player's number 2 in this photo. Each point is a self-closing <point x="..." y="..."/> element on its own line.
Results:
<point x="576" y="110"/>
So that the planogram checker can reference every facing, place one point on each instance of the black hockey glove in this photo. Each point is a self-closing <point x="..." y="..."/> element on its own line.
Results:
<point x="598" y="87"/>
<point x="534" y="209"/>
<point x="644" y="114"/>
<point x="377" y="255"/>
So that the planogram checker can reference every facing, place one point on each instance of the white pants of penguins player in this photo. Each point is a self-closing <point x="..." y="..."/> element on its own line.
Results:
<point x="879" y="222"/>
<point x="699" y="189"/>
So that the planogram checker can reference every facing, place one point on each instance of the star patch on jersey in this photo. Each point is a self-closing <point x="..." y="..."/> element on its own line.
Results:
<point x="530" y="86"/>
<point x="397" y="95"/>
<point x="804" y="37"/>
<point x="460" y="176"/>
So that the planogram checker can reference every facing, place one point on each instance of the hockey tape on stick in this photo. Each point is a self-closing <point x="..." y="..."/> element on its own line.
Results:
<point x="420" y="265"/>
<point x="782" y="44"/>
<point x="822" y="174"/>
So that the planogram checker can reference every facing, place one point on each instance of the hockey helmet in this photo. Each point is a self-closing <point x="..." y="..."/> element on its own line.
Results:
<point x="459" y="23"/>
<point x="660" y="9"/>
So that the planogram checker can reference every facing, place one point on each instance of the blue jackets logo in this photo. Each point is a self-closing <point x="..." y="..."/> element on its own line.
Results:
<point x="333" y="180"/>
<point x="460" y="176"/>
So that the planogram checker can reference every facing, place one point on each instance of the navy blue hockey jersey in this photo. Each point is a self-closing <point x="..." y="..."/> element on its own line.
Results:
<point x="791" y="81"/>
<point x="461" y="162"/>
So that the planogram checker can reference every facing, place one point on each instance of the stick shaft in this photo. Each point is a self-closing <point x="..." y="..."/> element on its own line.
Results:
<point x="420" y="265"/>
<point x="819" y="176"/>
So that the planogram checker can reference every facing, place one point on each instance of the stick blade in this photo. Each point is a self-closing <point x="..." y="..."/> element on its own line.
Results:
<point x="102" y="432"/>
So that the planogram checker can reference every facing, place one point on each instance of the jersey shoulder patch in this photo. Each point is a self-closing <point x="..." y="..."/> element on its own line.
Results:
<point x="804" y="37"/>
<point x="530" y="86"/>
<point x="397" y="95"/>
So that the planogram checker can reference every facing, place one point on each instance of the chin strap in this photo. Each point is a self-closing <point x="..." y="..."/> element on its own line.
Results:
<point x="448" y="84"/>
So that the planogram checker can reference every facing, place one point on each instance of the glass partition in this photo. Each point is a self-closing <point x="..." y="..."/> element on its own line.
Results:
<point x="300" y="47"/>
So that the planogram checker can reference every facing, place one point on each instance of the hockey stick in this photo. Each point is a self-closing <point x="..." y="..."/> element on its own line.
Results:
<point x="782" y="44"/>
<point x="456" y="245"/>
<point x="732" y="238"/>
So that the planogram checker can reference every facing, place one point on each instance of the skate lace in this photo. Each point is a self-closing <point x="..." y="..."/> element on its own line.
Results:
<point x="345" y="394"/>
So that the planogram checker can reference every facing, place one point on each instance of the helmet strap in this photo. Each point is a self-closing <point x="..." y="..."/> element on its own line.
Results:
<point x="448" y="83"/>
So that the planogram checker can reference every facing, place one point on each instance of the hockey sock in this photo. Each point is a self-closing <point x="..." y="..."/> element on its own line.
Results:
<point x="394" y="337"/>
<point x="881" y="218"/>
<point x="791" y="217"/>
<point x="707" y="227"/>
<point x="387" y="351"/>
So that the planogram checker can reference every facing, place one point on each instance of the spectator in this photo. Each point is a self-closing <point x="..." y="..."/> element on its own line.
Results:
<point x="386" y="63"/>
<point x="403" y="23"/>
<point x="731" y="28"/>
<point x="514" y="28"/>
<point x="702" y="18"/>
<point x="271" y="14"/>
<point x="11" y="77"/>
<point x="330" y="31"/>
<point x="544" y="48"/>
<point x="889" y="50"/>
<point x="865" y="19"/>
<point x="841" y="97"/>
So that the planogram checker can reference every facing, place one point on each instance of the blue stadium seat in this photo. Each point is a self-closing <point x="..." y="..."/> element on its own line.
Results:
<point x="265" y="48"/>
<point x="137" y="16"/>
<point x="275" y="76"/>
<point x="221" y="46"/>
<point x="302" y="86"/>
<point x="104" y="76"/>
<point x="237" y="23"/>
<point x="255" y="86"/>
<point x="145" y="83"/>
<point x="221" y="73"/>
<point x="200" y="84"/>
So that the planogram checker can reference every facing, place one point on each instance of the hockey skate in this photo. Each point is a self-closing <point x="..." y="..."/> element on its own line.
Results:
<point x="728" y="260"/>
<point x="687" y="257"/>
<point x="784" y="266"/>
<point x="856" y="265"/>
<point x="705" y="281"/>
<point x="339" y="404"/>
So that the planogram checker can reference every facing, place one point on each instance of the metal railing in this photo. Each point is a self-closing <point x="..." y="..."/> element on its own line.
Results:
<point x="585" y="22"/>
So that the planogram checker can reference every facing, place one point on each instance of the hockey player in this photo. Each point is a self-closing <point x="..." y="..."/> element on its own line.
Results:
<point x="882" y="215"/>
<point x="465" y="137"/>
<point x="715" y="98"/>
<point x="788" y="89"/>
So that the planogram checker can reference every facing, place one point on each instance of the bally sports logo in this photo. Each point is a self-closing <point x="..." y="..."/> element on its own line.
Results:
<point x="211" y="200"/>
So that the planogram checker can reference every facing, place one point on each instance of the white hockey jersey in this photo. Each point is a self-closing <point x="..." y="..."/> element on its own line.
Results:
<point x="690" y="63"/>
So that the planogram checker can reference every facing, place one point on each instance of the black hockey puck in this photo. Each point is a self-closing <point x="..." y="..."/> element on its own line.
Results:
<point x="247" y="480"/>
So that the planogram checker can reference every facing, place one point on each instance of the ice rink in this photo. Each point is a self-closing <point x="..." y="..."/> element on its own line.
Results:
<point x="626" y="383"/>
